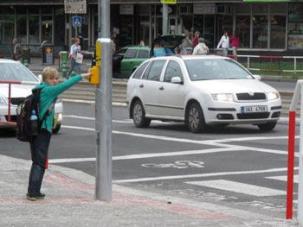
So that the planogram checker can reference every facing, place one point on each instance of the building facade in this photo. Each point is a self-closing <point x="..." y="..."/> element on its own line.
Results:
<point x="266" y="26"/>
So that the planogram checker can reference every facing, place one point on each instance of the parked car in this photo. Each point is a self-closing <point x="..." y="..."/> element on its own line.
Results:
<point x="127" y="59"/>
<point x="200" y="91"/>
<point x="14" y="71"/>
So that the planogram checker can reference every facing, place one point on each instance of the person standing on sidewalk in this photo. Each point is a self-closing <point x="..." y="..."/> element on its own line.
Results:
<point x="224" y="43"/>
<point x="50" y="89"/>
<point x="16" y="47"/>
<point x="76" y="57"/>
<point x="235" y="43"/>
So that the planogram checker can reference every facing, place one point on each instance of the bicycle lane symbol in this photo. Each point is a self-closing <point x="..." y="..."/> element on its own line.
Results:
<point x="184" y="164"/>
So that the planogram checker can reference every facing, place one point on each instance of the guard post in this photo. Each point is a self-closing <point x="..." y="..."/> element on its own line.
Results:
<point x="63" y="63"/>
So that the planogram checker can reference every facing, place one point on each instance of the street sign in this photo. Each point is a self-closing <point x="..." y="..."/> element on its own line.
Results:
<point x="76" y="21"/>
<point x="75" y="6"/>
<point x="169" y="2"/>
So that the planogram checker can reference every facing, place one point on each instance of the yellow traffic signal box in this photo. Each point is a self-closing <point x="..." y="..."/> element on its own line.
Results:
<point x="95" y="70"/>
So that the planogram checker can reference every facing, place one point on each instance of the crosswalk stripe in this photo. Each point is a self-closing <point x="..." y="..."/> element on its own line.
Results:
<point x="237" y="187"/>
<point x="284" y="178"/>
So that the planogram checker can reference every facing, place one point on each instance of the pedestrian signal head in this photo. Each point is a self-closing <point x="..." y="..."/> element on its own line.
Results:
<point x="95" y="77"/>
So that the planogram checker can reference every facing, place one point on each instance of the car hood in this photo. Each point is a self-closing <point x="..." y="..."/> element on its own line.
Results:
<point x="17" y="91"/>
<point x="233" y="86"/>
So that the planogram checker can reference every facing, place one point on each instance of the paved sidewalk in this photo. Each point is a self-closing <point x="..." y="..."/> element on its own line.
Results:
<point x="70" y="202"/>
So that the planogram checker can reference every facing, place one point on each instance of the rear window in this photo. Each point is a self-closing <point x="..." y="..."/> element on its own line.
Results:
<point x="130" y="53"/>
<point x="143" y="54"/>
<point x="16" y="71"/>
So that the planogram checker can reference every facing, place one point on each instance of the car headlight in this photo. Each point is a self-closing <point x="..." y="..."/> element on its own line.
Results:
<point x="223" y="97"/>
<point x="3" y="100"/>
<point x="273" y="95"/>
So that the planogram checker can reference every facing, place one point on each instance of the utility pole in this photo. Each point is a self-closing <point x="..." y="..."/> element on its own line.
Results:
<point x="104" y="106"/>
<point x="164" y="19"/>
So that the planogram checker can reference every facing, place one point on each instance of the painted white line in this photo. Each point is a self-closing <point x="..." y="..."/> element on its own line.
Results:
<point x="284" y="178"/>
<point x="205" y="142"/>
<point x="238" y="187"/>
<point x="79" y="117"/>
<point x="176" y="177"/>
<point x="125" y="121"/>
<point x="79" y="128"/>
<point x="142" y="156"/>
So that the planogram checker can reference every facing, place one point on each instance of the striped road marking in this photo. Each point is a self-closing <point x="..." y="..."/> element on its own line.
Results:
<point x="237" y="187"/>
<point x="284" y="178"/>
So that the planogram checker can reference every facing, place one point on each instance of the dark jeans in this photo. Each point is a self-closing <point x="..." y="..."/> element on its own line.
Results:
<point x="39" y="150"/>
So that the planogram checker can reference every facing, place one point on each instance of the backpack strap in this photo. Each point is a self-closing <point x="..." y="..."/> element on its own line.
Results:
<point x="50" y="108"/>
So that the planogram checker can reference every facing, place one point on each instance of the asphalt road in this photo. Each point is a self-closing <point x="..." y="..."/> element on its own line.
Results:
<point x="237" y="166"/>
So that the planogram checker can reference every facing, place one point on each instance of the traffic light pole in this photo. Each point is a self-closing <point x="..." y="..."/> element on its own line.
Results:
<point x="104" y="107"/>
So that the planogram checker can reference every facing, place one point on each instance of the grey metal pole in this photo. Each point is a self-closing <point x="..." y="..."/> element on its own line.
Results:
<point x="104" y="108"/>
<point x="164" y="19"/>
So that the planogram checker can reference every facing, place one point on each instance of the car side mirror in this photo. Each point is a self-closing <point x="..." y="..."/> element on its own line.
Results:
<point x="176" y="80"/>
<point x="40" y="77"/>
<point x="257" y="77"/>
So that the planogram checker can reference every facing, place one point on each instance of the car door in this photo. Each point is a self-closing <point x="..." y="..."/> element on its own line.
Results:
<point x="172" y="95"/>
<point x="127" y="62"/>
<point x="149" y="85"/>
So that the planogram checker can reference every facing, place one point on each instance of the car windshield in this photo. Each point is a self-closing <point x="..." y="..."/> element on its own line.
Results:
<point x="215" y="69"/>
<point x="16" y="71"/>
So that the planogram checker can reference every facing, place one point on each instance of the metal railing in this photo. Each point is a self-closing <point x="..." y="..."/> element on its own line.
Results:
<point x="9" y="100"/>
<point x="291" y="64"/>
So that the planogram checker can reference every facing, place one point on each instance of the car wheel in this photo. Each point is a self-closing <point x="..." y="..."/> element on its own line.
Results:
<point x="138" y="114"/>
<point x="267" y="126"/>
<point x="56" y="129"/>
<point x="195" y="118"/>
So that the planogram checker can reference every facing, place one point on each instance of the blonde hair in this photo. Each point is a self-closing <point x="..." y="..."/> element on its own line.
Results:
<point x="49" y="73"/>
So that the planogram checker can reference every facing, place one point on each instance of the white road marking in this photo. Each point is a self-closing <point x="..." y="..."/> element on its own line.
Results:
<point x="284" y="178"/>
<point x="238" y="187"/>
<point x="147" y="155"/>
<point x="175" y="177"/>
<point x="203" y="142"/>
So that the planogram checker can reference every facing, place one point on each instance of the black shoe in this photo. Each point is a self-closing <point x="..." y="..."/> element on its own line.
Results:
<point x="34" y="197"/>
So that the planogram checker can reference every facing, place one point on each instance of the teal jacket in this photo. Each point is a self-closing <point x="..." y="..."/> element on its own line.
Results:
<point x="47" y="96"/>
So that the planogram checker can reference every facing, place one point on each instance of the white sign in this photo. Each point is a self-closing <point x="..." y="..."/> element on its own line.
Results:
<point x="204" y="8"/>
<point x="75" y="6"/>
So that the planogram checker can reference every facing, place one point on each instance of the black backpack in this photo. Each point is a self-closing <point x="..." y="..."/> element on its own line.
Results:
<point x="25" y="129"/>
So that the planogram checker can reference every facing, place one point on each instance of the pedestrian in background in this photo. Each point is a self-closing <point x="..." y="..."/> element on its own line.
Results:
<point x="16" y="49"/>
<point x="187" y="46"/>
<point x="235" y="43"/>
<point x="76" y="57"/>
<point x="195" y="40"/>
<point x="201" y="48"/>
<point x="224" y="43"/>
<point x="50" y="89"/>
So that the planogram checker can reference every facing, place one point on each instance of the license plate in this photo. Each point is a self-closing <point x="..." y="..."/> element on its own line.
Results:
<point x="253" y="109"/>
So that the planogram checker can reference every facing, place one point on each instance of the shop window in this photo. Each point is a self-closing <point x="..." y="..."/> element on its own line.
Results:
<point x="277" y="33"/>
<point x="295" y="26"/>
<point x="278" y="8"/>
<point x="46" y="28"/>
<point x="21" y="28"/>
<point x="59" y="26"/>
<point x="6" y="29"/>
<point x="34" y="29"/>
<point x="260" y="8"/>
<point x="260" y="31"/>
<point x="243" y="30"/>
<point x="242" y="8"/>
